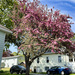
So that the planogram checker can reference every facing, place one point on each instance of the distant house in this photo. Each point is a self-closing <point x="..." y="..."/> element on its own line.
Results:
<point x="43" y="63"/>
<point x="47" y="60"/>
<point x="10" y="61"/>
<point x="71" y="63"/>
<point x="3" y="32"/>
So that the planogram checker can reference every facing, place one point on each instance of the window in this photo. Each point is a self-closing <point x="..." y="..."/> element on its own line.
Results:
<point x="46" y="68"/>
<point x="70" y="59"/>
<point x="74" y="57"/>
<point x="55" y="67"/>
<point x="47" y="59"/>
<point x="37" y="60"/>
<point x="59" y="59"/>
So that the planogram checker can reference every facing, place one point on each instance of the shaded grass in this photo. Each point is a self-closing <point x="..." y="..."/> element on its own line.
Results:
<point x="6" y="71"/>
<point x="12" y="74"/>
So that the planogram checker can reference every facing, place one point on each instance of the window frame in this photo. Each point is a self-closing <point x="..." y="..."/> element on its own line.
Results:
<point x="59" y="59"/>
<point x="47" y="59"/>
<point x="37" y="60"/>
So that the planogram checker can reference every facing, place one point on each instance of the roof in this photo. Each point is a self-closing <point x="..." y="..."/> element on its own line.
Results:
<point x="11" y="57"/>
<point x="4" y="29"/>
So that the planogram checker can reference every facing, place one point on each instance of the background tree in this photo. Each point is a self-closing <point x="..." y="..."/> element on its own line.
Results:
<point x="7" y="53"/>
<point x="5" y="9"/>
<point x="14" y="53"/>
<point x="40" y="30"/>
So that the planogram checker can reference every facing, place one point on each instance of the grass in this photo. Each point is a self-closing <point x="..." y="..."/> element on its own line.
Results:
<point x="5" y="71"/>
<point x="18" y="74"/>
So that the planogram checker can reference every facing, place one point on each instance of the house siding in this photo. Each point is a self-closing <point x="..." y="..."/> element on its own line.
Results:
<point x="10" y="61"/>
<point x="2" y="37"/>
<point x="53" y="61"/>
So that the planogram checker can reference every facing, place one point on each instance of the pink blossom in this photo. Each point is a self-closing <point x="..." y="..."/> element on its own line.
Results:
<point x="27" y="16"/>
<point x="56" y="13"/>
<point x="16" y="36"/>
<point x="46" y="34"/>
<point x="42" y="25"/>
<point x="30" y="35"/>
<point x="42" y="40"/>
<point x="29" y="46"/>
<point x="19" y="47"/>
<point x="58" y="51"/>
<point x="52" y="51"/>
<point x="27" y="29"/>
<point x="22" y="48"/>
<point x="34" y="36"/>
<point x="19" y="30"/>
<point x="55" y="42"/>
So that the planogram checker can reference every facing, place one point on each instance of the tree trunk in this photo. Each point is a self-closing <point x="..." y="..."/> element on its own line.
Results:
<point x="28" y="63"/>
<point x="27" y="69"/>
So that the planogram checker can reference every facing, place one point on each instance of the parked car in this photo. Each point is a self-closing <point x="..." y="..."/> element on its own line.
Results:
<point x="59" y="70"/>
<point x="18" y="69"/>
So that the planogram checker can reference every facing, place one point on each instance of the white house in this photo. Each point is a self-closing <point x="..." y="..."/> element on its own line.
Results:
<point x="71" y="63"/>
<point x="10" y="61"/>
<point x="3" y="32"/>
<point x="44" y="62"/>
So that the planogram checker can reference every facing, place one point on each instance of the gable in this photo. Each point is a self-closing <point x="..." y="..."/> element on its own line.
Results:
<point x="4" y="29"/>
<point x="3" y="32"/>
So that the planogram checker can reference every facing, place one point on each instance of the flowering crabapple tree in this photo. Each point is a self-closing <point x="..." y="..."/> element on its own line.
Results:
<point x="40" y="30"/>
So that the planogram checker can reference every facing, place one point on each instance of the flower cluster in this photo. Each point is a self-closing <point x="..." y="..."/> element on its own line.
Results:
<point x="47" y="27"/>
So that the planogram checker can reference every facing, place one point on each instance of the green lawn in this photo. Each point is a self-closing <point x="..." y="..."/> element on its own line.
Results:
<point x="10" y="74"/>
<point x="19" y="74"/>
<point x="5" y="71"/>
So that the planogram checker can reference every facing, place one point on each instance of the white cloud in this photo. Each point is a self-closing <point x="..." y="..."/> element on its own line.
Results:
<point x="71" y="0"/>
<point x="65" y="0"/>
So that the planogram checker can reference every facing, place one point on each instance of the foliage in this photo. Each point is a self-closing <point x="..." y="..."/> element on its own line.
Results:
<point x="7" y="53"/>
<point x="14" y="53"/>
<point x="5" y="7"/>
<point x="12" y="39"/>
<point x="41" y="30"/>
<point x="6" y="47"/>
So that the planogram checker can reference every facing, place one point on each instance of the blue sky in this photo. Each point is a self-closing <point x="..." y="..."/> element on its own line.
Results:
<point x="65" y="7"/>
